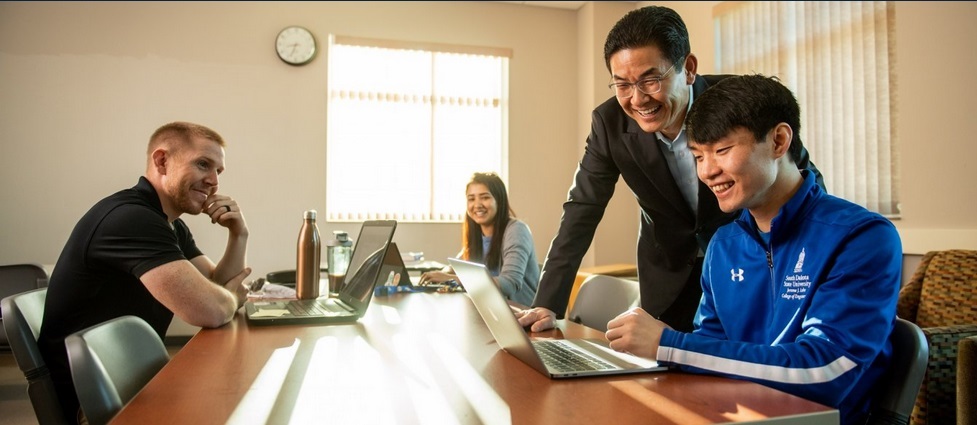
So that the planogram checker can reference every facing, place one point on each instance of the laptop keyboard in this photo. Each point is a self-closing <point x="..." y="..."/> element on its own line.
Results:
<point x="314" y="308"/>
<point x="566" y="359"/>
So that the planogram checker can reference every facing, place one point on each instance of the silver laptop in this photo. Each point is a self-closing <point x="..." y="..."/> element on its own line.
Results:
<point x="556" y="358"/>
<point x="355" y="292"/>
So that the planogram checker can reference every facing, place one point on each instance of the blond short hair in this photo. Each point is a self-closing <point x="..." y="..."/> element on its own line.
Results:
<point x="183" y="132"/>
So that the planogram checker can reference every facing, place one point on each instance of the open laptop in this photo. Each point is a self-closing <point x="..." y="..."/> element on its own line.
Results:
<point x="355" y="292"/>
<point x="556" y="358"/>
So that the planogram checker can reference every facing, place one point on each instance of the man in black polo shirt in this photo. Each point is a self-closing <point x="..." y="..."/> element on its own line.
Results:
<point x="131" y="254"/>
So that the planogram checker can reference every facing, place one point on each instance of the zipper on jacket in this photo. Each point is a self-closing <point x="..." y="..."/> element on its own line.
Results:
<point x="773" y="279"/>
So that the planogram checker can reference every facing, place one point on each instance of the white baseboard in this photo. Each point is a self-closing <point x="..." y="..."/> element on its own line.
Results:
<point x="921" y="241"/>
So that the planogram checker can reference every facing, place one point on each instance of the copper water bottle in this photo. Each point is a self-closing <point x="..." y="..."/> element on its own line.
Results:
<point x="307" y="269"/>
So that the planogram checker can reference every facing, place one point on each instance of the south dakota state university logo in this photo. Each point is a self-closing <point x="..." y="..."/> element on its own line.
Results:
<point x="797" y="285"/>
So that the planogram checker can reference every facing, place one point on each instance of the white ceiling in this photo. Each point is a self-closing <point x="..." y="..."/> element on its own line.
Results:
<point x="571" y="5"/>
<point x="568" y="5"/>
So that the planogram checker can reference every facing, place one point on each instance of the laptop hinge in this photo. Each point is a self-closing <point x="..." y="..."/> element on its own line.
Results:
<point x="346" y="306"/>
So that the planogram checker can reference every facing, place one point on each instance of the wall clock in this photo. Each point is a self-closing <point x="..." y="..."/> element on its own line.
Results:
<point x="295" y="45"/>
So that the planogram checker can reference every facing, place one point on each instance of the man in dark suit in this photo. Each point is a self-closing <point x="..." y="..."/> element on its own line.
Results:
<point x="638" y="134"/>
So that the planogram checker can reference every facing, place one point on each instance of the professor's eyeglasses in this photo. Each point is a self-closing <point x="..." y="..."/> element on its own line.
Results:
<point x="649" y="85"/>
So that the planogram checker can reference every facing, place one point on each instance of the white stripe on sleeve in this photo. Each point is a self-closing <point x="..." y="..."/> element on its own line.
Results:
<point x="814" y="375"/>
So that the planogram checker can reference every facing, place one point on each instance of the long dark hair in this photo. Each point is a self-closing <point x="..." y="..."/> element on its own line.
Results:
<point x="471" y="232"/>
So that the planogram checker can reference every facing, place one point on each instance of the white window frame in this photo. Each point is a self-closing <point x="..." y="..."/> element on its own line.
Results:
<point x="402" y="144"/>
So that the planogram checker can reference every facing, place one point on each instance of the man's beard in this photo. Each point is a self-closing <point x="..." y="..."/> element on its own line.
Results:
<point x="186" y="203"/>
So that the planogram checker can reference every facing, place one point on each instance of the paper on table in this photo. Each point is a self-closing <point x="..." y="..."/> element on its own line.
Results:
<point x="273" y="290"/>
<point x="270" y="313"/>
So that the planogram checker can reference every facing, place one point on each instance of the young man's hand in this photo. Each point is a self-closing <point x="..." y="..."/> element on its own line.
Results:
<point x="635" y="332"/>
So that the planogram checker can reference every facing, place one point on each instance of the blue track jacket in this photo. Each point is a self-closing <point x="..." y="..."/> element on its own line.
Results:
<point x="809" y="314"/>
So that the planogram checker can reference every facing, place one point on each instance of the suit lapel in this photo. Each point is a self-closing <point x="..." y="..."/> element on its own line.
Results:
<point x="646" y="149"/>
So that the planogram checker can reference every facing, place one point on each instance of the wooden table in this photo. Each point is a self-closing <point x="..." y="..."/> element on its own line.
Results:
<point x="425" y="359"/>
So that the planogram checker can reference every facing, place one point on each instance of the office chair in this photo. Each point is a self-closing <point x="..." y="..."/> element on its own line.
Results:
<point x="17" y="278"/>
<point x="110" y="362"/>
<point x="23" y="313"/>
<point x="899" y="386"/>
<point x="941" y="298"/>
<point x="601" y="298"/>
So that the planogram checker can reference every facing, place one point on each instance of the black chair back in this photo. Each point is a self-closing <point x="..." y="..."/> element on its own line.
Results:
<point x="899" y="386"/>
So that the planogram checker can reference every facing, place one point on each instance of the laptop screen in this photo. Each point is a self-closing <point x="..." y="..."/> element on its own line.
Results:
<point x="364" y="266"/>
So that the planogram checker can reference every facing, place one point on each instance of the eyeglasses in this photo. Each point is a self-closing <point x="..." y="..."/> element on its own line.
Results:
<point x="650" y="85"/>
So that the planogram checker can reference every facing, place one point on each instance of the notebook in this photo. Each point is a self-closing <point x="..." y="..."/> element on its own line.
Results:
<point x="556" y="358"/>
<point x="355" y="292"/>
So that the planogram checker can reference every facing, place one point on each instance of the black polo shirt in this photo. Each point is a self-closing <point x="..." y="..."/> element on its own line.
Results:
<point x="97" y="276"/>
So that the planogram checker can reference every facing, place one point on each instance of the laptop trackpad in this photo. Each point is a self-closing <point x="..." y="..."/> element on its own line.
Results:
<point x="599" y="348"/>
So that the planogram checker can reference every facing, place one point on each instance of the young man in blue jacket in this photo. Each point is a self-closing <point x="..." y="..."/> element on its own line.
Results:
<point x="799" y="292"/>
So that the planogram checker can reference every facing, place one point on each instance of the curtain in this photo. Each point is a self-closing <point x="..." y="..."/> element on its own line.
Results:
<point x="838" y="59"/>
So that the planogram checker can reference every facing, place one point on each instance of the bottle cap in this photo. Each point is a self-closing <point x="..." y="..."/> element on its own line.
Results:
<point x="309" y="214"/>
<point x="340" y="238"/>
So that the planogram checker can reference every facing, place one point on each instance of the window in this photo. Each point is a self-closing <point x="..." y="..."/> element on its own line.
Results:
<point x="838" y="59"/>
<point x="408" y="124"/>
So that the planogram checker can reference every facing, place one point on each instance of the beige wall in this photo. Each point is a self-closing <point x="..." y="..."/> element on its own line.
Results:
<point x="935" y="97"/>
<point x="82" y="85"/>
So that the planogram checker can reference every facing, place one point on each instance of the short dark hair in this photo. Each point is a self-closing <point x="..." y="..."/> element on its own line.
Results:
<point x="754" y="102"/>
<point x="656" y="26"/>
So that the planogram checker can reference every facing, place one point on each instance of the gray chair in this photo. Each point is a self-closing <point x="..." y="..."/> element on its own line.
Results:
<point x="899" y="387"/>
<point x="110" y="362"/>
<point x="601" y="298"/>
<point x="23" y="313"/>
<point x="17" y="278"/>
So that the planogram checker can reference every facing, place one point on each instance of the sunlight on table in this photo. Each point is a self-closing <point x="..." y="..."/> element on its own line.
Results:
<point x="256" y="405"/>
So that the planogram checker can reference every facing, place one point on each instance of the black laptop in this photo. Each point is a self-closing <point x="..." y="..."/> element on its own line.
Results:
<point x="393" y="272"/>
<point x="355" y="292"/>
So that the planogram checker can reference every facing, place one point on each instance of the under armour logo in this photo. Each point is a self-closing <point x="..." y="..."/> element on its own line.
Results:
<point x="737" y="275"/>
